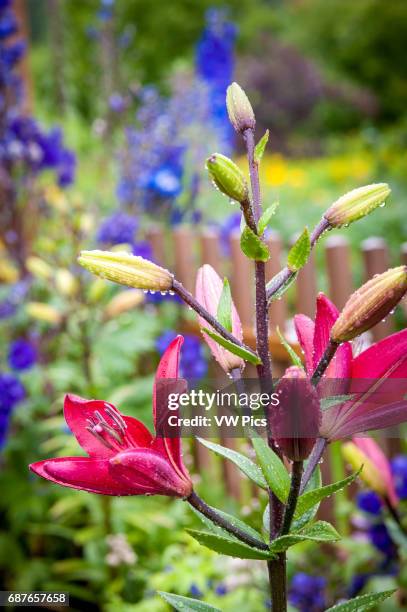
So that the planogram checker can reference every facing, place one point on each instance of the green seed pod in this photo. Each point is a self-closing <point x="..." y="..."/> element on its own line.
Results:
<point x="227" y="177"/>
<point x="370" y="304"/>
<point x="357" y="204"/>
<point x="240" y="110"/>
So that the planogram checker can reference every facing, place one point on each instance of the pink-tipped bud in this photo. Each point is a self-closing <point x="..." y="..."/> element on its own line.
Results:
<point x="209" y="288"/>
<point x="240" y="110"/>
<point x="295" y="421"/>
<point x="370" y="304"/>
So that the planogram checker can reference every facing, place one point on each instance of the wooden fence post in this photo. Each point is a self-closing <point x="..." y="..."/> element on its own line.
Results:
<point x="306" y="286"/>
<point x="339" y="270"/>
<point x="155" y="236"/>
<point x="376" y="260"/>
<point x="185" y="264"/>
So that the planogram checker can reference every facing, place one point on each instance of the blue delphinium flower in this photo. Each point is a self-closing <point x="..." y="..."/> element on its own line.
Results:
<point x="369" y="502"/>
<point x="380" y="538"/>
<point x="228" y="226"/>
<point x="306" y="592"/>
<point x="12" y="392"/>
<point x="399" y="470"/>
<point x="22" y="354"/>
<point x="11" y="298"/>
<point x="118" y="228"/>
<point x="221" y="589"/>
<point x="195" y="591"/>
<point x="193" y="360"/>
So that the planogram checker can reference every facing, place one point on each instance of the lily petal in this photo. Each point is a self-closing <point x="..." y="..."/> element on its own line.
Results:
<point x="305" y="329"/>
<point x="386" y="358"/>
<point x="83" y="473"/>
<point x="373" y="451"/>
<point x="152" y="470"/>
<point x="78" y="411"/>
<point x="326" y="315"/>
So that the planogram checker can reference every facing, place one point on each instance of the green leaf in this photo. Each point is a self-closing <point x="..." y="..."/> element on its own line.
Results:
<point x="253" y="246"/>
<point x="236" y="522"/>
<point x="315" y="482"/>
<point x="362" y="603"/>
<point x="186" y="604"/>
<point x="329" y="402"/>
<point x="299" y="252"/>
<point x="224" y="312"/>
<point x="295" y="359"/>
<point x="266" y="217"/>
<point x="307" y="500"/>
<point x="261" y="147"/>
<point x="228" y="546"/>
<point x="273" y="469"/>
<point x="320" y="531"/>
<point x="250" y="469"/>
<point x="233" y="348"/>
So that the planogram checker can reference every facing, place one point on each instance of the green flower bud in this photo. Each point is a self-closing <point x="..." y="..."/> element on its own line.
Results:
<point x="357" y="204"/>
<point x="227" y="177"/>
<point x="240" y="110"/>
<point x="370" y="304"/>
<point x="126" y="269"/>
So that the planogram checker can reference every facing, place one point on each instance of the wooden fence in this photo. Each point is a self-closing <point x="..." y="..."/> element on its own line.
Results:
<point x="185" y="250"/>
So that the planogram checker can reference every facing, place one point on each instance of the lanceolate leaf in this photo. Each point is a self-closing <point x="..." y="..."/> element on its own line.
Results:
<point x="247" y="466"/>
<point x="317" y="532"/>
<point x="273" y="469"/>
<point x="232" y="519"/>
<point x="266" y="217"/>
<point x="299" y="252"/>
<point x="315" y="482"/>
<point x="186" y="604"/>
<point x="224" y="312"/>
<point x="260" y="147"/>
<point x="295" y="359"/>
<point x="252" y="246"/>
<point x="227" y="546"/>
<point x="233" y="348"/>
<point x="362" y="603"/>
<point x="311" y="498"/>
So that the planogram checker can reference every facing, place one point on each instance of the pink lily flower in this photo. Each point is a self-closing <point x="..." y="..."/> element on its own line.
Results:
<point x="208" y="291"/>
<point x="377" y="364"/>
<point x="370" y="449"/>
<point x="124" y="458"/>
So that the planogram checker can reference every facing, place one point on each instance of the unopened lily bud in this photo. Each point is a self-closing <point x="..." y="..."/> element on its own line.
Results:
<point x="357" y="204"/>
<point x="44" y="312"/>
<point x="240" y="110"/>
<point x="124" y="301"/>
<point x="370" y="304"/>
<point x="295" y="421"/>
<point x="66" y="283"/>
<point x="126" y="269"/>
<point x="227" y="177"/>
<point x="209" y="288"/>
<point x="370" y="474"/>
<point x="39" y="268"/>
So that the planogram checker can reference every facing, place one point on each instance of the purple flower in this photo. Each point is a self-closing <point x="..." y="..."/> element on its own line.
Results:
<point x="369" y="502"/>
<point x="399" y="470"/>
<point x="221" y="589"/>
<point x="142" y="248"/>
<point x="117" y="103"/>
<point x="195" y="591"/>
<point x="22" y="355"/>
<point x="193" y="360"/>
<point x="380" y="538"/>
<point x="119" y="228"/>
<point x="11" y="393"/>
<point x="166" y="181"/>
<point x="8" y="24"/>
<point x="307" y="592"/>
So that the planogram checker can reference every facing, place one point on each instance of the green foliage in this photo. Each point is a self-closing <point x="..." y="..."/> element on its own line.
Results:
<point x="295" y="359"/>
<point x="362" y="603"/>
<point x="253" y="246"/>
<point x="224" y="311"/>
<point x="299" y="252"/>
<point x="261" y="147"/>
<point x="240" y="351"/>
<point x="321" y="531"/>
<point x="228" y="546"/>
<point x="186" y="604"/>
<point x="266" y="217"/>
<point x="273" y="468"/>
<point x="247" y="466"/>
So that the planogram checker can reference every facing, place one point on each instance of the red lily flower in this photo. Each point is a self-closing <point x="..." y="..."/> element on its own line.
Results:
<point x="124" y="458"/>
<point x="377" y="364"/>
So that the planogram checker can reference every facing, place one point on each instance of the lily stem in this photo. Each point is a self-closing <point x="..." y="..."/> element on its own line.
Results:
<point x="324" y="362"/>
<point x="313" y="461"/>
<point x="285" y="275"/>
<point x="277" y="567"/>
<point x="210" y="513"/>
<point x="296" y="476"/>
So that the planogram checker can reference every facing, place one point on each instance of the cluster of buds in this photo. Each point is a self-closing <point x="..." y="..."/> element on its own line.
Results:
<point x="370" y="304"/>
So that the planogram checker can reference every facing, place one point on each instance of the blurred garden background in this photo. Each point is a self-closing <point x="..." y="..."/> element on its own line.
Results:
<point x="108" y="110"/>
